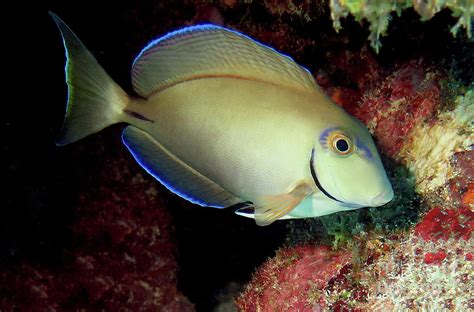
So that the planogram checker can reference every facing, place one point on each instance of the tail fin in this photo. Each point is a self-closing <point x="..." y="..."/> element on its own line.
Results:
<point x="95" y="101"/>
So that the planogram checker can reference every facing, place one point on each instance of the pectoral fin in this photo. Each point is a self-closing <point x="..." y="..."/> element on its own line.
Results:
<point x="271" y="208"/>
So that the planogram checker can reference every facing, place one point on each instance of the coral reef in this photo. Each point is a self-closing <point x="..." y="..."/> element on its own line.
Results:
<point x="378" y="13"/>
<point x="431" y="144"/>
<point x="294" y="280"/>
<point x="422" y="119"/>
<point x="435" y="259"/>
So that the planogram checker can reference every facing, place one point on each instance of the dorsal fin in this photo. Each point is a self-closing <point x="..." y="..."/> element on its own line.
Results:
<point x="212" y="51"/>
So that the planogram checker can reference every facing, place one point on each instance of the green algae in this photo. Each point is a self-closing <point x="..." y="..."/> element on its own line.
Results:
<point x="378" y="13"/>
<point x="401" y="213"/>
<point x="340" y="228"/>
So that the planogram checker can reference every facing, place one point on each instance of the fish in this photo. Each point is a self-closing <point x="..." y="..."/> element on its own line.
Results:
<point x="223" y="121"/>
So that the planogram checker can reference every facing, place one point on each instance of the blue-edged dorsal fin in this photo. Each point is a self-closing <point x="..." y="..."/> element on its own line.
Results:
<point x="174" y="174"/>
<point x="212" y="51"/>
<point x="271" y="208"/>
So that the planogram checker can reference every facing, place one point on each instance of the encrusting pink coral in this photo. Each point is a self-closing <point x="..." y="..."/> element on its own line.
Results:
<point x="407" y="97"/>
<point x="294" y="280"/>
<point x="441" y="223"/>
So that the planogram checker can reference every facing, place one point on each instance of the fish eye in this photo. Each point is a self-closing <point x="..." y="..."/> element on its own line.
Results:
<point x="340" y="143"/>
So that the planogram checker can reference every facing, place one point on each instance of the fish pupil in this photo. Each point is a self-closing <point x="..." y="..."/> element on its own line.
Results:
<point x="342" y="145"/>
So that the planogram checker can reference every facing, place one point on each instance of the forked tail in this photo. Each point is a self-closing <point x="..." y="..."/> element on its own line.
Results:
<point x="95" y="101"/>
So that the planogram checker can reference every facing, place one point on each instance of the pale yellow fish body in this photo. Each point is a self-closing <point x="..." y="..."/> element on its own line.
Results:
<point x="221" y="120"/>
<point x="250" y="137"/>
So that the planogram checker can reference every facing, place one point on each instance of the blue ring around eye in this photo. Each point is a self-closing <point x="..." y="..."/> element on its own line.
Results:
<point x="363" y="150"/>
<point x="323" y="138"/>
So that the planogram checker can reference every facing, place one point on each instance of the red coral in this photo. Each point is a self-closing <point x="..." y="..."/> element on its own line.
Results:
<point x="407" y="97"/>
<point x="435" y="257"/>
<point x="293" y="280"/>
<point x="344" y="283"/>
<point x="443" y="223"/>
<point x="468" y="197"/>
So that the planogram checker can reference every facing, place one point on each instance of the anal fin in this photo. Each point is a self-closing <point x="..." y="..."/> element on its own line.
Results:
<point x="173" y="173"/>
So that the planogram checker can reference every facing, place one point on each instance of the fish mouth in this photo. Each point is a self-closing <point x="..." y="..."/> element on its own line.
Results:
<point x="383" y="198"/>
<point x="316" y="180"/>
